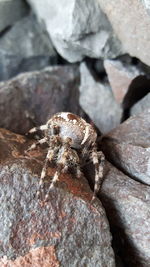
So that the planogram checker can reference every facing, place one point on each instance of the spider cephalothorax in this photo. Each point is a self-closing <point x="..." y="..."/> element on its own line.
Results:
<point x="71" y="141"/>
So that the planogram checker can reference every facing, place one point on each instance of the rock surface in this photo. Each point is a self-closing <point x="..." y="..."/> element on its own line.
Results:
<point x="78" y="28"/>
<point x="34" y="44"/>
<point x="141" y="106"/>
<point x="66" y="231"/>
<point x="98" y="102"/>
<point x="127" y="204"/>
<point x="131" y="23"/>
<point x="128" y="147"/>
<point x="31" y="98"/>
<point x="120" y="77"/>
<point x="11" y="11"/>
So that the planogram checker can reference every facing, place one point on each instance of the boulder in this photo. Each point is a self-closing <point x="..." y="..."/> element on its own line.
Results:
<point x="128" y="147"/>
<point x="127" y="204"/>
<point x="120" y="76"/>
<point x="78" y="28"/>
<point x="11" y="11"/>
<point x="98" y="102"/>
<point x="35" y="50"/>
<point x="67" y="230"/>
<point x="32" y="98"/>
<point x="131" y="23"/>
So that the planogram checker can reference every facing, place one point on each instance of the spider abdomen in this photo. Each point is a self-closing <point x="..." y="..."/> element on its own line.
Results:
<point x="73" y="127"/>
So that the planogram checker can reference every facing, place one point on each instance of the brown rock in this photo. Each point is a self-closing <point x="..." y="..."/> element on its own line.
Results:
<point x="127" y="204"/>
<point x="120" y="77"/>
<point x="128" y="147"/>
<point x="43" y="256"/>
<point x="68" y="230"/>
<point x="32" y="98"/>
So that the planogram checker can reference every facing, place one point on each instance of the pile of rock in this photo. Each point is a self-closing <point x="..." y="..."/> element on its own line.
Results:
<point x="89" y="57"/>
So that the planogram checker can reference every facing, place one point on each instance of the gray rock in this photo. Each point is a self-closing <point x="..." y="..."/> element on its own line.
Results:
<point x="98" y="102"/>
<point x="32" y="98"/>
<point x="120" y="76"/>
<point x="11" y="11"/>
<point x="146" y="3"/>
<point x="141" y="106"/>
<point x="68" y="230"/>
<point x="128" y="147"/>
<point x="8" y="65"/>
<point x="25" y="40"/>
<point x="134" y="30"/>
<point x="127" y="203"/>
<point x="78" y="28"/>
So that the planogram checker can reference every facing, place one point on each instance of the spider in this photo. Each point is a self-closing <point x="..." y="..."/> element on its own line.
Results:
<point x="71" y="142"/>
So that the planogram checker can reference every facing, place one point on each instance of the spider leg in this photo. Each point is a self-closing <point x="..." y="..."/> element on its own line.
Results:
<point x="49" y="157"/>
<point x="62" y="166"/>
<point x="78" y="172"/>
<point x="98" y="159"/>
<point x="39" y="142"/>
<point x="41" y="128"/>
<point x="55" y="179"/>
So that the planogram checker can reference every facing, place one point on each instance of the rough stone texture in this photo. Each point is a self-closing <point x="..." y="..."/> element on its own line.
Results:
<point x="127" y="204"/>
<point x="120" y="77"/>
<point x="78" y="28"/>
<point x="34" y="46"/>
<point x="141" y="106"/>
<point x="68" y="230"/>
<point x="31" y="98"/>
<point x="11" y="11"/>
<point x="128" y="147"/>
<point x="43" y="256"/>
<point x="131" y="22"/>
<point x="98" y="102"/>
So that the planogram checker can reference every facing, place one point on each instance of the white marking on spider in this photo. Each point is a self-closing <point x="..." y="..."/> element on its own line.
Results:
<point x="63" y="115"/>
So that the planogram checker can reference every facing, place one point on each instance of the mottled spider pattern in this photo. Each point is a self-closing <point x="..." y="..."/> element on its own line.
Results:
<point x="71" y="142"/>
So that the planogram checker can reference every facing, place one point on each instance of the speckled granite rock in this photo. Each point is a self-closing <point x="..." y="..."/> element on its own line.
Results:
<point x="128" y="147"/>
<point x="127" y="204"/>
<point x="67" y="231"/>
<point x="34" y="97"/>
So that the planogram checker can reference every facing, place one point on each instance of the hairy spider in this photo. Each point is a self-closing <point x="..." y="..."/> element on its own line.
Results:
<point x="71" y="141"/>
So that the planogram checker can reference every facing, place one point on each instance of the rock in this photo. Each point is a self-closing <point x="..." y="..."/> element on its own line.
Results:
<point x="68" y="230"/>
<point x="11" y="11"/>
<point x="78" y="28"/>
<point x="134" y="30"/>
<point x="32" y="98"/>
<point x="127" y="204"/>
<point x="120" y="76"/>
<point x="35" y="48"/>
<point x="147" y="5"/>
<point x="141" y="106"/>
<point x="8" y="65"/>
<point x="98" y="102"/>
<point x="139" y="87"/>
<point x="128" y="147"/>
